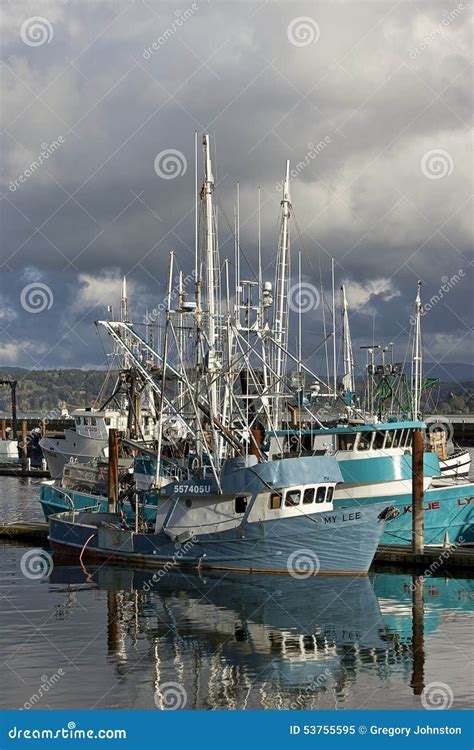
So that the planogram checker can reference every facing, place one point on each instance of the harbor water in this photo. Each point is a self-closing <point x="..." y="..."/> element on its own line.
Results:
<point x="102" y="637"/>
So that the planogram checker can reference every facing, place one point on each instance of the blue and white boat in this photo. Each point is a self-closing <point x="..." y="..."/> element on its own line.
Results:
<point x="276" y="516"/>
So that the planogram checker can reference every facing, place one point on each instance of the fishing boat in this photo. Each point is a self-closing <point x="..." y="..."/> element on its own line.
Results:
<point x="263" y="517"/>
<point x="233" y="395"/>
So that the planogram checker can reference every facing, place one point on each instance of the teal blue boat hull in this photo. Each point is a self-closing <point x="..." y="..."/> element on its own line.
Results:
<point x="448" y="511"/>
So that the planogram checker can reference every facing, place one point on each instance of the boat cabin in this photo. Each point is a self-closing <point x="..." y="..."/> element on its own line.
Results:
<point x="196" y="515"/>
<point x="96" y="424"/>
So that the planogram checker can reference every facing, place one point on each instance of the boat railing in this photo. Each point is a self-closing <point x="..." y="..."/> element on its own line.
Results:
<point x="92" y="508"/>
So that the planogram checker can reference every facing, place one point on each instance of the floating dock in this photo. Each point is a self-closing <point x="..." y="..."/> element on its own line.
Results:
<point x="432" y="558"/>
<point x="16" y="470"/>
<point x="24" y="530"/>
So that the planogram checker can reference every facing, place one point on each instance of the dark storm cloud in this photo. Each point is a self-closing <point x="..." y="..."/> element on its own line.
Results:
<point x="370" y="101"/>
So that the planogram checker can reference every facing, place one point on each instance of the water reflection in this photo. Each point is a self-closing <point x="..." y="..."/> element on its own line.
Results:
<point x="240" y="641"/>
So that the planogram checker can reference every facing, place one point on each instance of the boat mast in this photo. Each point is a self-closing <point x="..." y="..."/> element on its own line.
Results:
<point x="348" y="378"/>
<point x="163" y="372"/>
<point x="334" y="358"/>
<point x="212" y="271"/>
<point x="417" y="361"/>
<point x="124" y="317"/>
<point x="280" y="324"/>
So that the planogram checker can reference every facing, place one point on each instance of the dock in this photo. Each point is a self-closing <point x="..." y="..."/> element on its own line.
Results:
<point x="432" y="558"/>
<point x="17" y="470"/>
<point x="24" y="531"/>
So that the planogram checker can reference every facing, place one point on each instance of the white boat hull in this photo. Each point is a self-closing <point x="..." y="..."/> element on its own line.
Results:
<point x="74" y="448"/>
<point x="457" y="465"/>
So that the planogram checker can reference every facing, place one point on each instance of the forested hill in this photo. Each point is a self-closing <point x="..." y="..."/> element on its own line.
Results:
<point x="45" y="391"/>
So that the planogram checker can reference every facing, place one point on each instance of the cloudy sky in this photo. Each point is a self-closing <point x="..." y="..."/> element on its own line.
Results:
<point x="370" y="101"/>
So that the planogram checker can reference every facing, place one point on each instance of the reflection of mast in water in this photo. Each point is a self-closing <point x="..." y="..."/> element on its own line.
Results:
<point x="220" y="648"/>
<point x="418" y="644"/>
<point x="116" y="644"/>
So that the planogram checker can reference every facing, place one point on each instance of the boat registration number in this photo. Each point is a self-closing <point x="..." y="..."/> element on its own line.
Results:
<point x="194" y="489"/>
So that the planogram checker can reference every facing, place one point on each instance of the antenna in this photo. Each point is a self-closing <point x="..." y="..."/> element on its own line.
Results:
<point x="196" y="204"/>
<point x="334" y="363"/>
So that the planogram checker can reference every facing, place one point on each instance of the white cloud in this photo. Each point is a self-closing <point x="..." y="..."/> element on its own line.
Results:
<point x="359" y="294"/>
<point x="7" y="313"/>
<point x="100" y="290"/>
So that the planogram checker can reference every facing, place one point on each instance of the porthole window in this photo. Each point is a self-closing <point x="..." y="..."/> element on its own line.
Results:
<point x="320" y="494"/>
<point x="275" y="501"/>
<point x="240" y="504"/>
<point x="292" y="498"/>
<point x="308" y="496"/>
<point x="188" y="502"/>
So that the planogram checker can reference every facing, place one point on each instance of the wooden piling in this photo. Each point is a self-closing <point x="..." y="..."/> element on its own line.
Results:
<point x="14" y="416"/>
<point x="112" y="479"/>
<point x="24" y="443"/>
<point x="418" y="541"/>
<point x="43" y="426"/>
<point x="418" y="635"/>
<point x="4" y="428"/>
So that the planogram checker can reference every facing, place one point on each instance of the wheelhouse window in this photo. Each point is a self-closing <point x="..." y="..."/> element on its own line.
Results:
<point x="275" y="501"/>
<point x="107" y="421"/>
<point x="379" y="438"/>
<point x="391" y="438"/>
<point x="320" y="494"/>
<point x="93" y="420"/>
<point x="329" y="494"/>
<point x="346" y="442"/>
<point x="292" y="498"/>
<point x="308" y="496"/>
<point x="364" y="441"/>
<point x="240" y="504"/>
